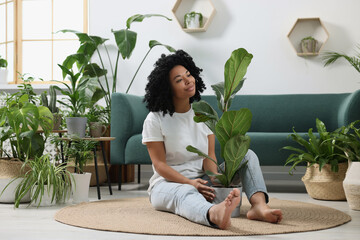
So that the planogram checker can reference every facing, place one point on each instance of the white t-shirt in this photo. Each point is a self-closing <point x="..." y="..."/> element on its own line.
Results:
<point x="177" y="132"/>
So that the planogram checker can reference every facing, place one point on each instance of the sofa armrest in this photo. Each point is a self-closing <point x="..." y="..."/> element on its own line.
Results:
<point x="128" y="113"/>
<point x="349" y="109"/>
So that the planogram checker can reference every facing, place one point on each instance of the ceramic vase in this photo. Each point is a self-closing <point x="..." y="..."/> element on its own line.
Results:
<point x="220" y="195"/>
<point x="97" y="129"/>
<point x="352" y="185"/>
<point x="76" y="126"/>
<point x="80" y="184"/>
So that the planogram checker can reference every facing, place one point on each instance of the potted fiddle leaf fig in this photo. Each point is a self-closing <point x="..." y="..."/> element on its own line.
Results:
<point x="230" y="129"/>
<point x="125" y="42"/>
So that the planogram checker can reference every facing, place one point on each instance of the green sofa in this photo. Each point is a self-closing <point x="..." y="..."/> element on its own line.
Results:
<point x="274" y="116"/>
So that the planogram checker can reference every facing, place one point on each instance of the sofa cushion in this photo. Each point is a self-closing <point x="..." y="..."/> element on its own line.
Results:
<point x="136" y="152"/>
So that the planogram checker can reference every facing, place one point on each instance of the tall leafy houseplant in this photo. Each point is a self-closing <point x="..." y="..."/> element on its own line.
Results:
<point x="331" y="57"/>
<point x="125" y="41"/>
<point x="232" y="126"/>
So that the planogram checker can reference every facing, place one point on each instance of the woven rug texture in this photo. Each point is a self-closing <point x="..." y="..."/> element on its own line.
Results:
<point x="136" y="215"/>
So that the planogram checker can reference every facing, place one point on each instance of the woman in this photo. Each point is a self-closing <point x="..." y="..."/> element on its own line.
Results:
<point x="179" y="184"/>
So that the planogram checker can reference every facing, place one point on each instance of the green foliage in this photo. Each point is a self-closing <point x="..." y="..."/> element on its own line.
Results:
<point x="3" y="62"/>
<point x="331" y="57"/>
<point x="42" y="174"/>
<point x="52" y="105"/>
<point x="125" y="42"/>
<point x="80" y="151"/>
<point x="19" y="122"/>
<point x="324" y="148"/>
<point x="350" y="141"/>
<point x="96" y="113"/>
<point x="231" y="128"/>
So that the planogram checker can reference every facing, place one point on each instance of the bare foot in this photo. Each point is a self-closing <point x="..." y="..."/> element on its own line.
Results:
<point x="220" y="214"/>
<point x="263" y="212"/>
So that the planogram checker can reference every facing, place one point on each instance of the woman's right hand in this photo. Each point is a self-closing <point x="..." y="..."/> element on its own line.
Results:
<point x="206" y="191"/>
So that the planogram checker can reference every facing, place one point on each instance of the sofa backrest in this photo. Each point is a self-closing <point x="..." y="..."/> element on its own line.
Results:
<point x="280" y="113"/>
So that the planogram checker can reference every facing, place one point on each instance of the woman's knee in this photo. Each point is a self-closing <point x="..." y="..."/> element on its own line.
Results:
<point x="251" y="157"/>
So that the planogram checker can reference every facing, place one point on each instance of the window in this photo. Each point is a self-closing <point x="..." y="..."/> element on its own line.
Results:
<point x="29" y="39"/>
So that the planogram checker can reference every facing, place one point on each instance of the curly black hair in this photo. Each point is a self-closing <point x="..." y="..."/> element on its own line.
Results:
<point x="158" y="94"/>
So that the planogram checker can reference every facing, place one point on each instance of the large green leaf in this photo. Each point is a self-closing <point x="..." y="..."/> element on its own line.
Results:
<point x="125" y="41"/>
<point x="205" y="113"/>
<point x="235" y="70"/>
<point x="45" y="119"/>
<point x="234" y="152"/>
<point x="231" y="124"/>
<point x="140" y="18"/>
<point x="93" y="70"/>
<point x="154" y="43"/>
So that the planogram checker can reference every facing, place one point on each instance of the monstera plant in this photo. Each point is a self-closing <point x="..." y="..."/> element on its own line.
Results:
<point x="231" y="127"/>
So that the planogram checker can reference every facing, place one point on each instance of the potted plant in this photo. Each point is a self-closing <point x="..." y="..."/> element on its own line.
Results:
<point x="193" y="20"/>
<point x="52" y="106"/>
<point x="125" y="42"/>
<point x="47" y="183"/>
<point x="308" y="45"/>
<point x="326" y="162"/>
<point x="331" y="57"/>
<point x="233" y="141"/>
<point x="351" y="147"/>
<point x="96" y="117"/>
<point x="80" y="151"/>
<point x="3" y="72"/>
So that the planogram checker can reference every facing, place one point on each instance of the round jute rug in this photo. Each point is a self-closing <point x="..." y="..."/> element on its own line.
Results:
<point x="136" y="215"/>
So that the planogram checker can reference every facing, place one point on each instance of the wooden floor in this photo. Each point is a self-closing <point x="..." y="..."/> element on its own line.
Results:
<point x="32" y="223"/>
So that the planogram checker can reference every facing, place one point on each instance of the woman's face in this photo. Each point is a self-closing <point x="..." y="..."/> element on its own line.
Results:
<point x="182" y="83"/>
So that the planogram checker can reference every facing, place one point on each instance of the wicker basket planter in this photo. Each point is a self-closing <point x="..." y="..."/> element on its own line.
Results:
<point x="10" y="169"/>
<point x="325" y="185"/>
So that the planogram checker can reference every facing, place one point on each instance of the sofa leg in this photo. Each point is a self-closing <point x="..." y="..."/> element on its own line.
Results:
<point x="138" y="173"/>
<point x="119" y="179"/>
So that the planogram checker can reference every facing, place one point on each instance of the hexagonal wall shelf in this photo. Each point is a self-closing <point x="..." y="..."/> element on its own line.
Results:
<point x="205" y="7"/>
<point x="308" y="27"/>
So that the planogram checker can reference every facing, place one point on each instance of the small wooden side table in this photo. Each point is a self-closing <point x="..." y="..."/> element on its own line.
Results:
<point x="101" y="140"/>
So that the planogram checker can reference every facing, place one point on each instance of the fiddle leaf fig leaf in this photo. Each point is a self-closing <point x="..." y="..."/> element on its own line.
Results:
<point x="231" y="124"/>
<point x="205" y="113"/>
<point x="125" y="41"/>
<point x="235" y="70"/>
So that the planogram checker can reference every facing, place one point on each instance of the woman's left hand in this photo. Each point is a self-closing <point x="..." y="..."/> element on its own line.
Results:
<point x="206" y="191"/>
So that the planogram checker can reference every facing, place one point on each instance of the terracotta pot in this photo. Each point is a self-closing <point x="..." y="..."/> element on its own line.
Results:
<point x="352" y="185"/>
<point x="325" y="184"/>
<point x="220" y="195"/>
<point x="57" y="121"/>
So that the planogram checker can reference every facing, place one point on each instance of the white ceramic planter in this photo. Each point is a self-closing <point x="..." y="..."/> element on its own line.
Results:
<point x="80" y="184"/>
<point x="352" y="185"/>
<point x="9" y="194"/>
<point x="220" y="195"/>
<point x="45" y="199"/>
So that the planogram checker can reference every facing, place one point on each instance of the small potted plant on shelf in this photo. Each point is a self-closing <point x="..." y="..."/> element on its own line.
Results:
<point x="232" y="137"/>
<point x="308" y="45"/>
<point x="326" y="162"/>
<point x="96" y="117"/>
<point x="80" y="151"/>
<point x="47" y="183"/>
<point x="193" y="20"/>
<point x="52" y="106"/>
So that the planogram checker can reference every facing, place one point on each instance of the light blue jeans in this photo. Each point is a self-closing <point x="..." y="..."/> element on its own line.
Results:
<point x="186" y="201"/>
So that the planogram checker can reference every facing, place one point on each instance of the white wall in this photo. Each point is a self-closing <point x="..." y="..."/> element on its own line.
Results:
<point x="260" y="26"/>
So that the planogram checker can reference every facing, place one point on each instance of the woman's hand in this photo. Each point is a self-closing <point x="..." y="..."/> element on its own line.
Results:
<point x="206" y="191"/>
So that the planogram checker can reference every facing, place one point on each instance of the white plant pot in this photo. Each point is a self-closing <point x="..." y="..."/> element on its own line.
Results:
<point x="4" y="75"/>
<point x="76" y="126"/>
<point x="352" y="185"/>
<point x="45" y="199"/>
<point x="9" y="194"/>
<point x="220" y="195"/>
<point x="80" y="184"/>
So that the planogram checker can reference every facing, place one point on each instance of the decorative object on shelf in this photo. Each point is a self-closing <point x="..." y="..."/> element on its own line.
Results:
<point x="308" y="27"/>
<point x="193" y="20"/>
<point x="308" y="45"/>
<point x="187" y="12"/>
<point x="331" y="57"/>
<point x="326" y="161"/>
<point x="233" y="140"/>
